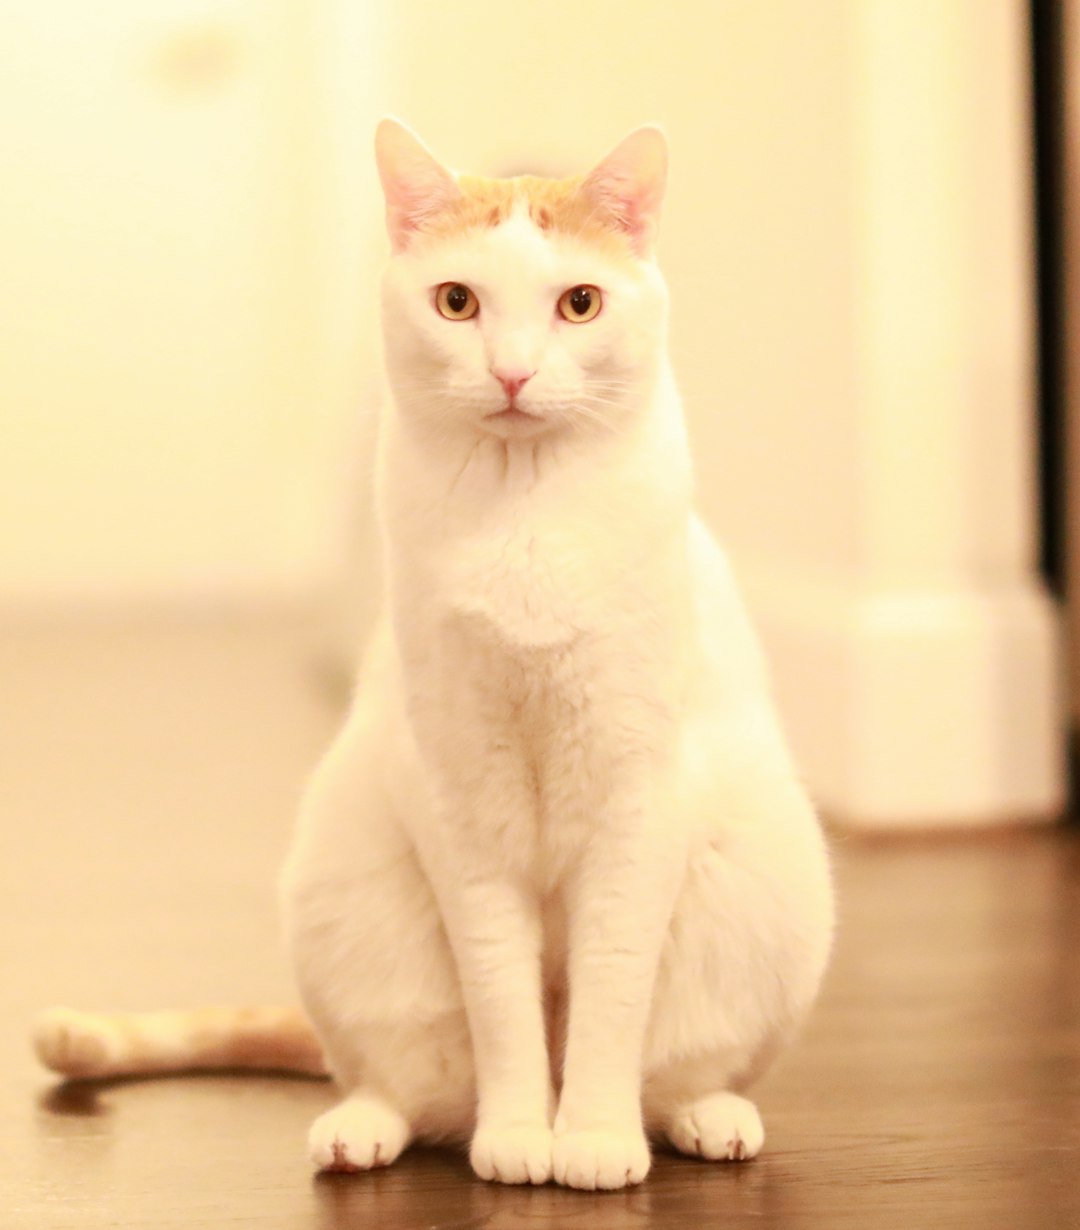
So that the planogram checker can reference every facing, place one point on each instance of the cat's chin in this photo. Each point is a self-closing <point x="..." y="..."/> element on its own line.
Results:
<point x="514" y="423"/>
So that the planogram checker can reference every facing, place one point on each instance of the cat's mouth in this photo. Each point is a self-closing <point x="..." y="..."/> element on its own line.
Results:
<point x="513" y="420"/>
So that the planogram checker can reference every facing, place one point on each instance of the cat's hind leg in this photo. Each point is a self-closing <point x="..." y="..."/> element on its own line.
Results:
<point x="692" y="1107"/>
<point x="717" y="1127"/>
<point x="404" y="1082"/>
<point x="361" y="1132"/>
<point x="742" y="962"/>
<point x="373" y="963"/>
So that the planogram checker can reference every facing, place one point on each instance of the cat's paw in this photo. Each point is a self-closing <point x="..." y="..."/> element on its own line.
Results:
<point x="358" y="1134"/>
<point x="601" y="1160"/>
<point x="76" y="1044"/>
<point x="720" y="1127"/>
<point x="512" y="1153"/>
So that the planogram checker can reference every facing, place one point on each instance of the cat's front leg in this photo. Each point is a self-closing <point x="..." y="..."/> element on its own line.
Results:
<point x="620" y="905"/>
<point x="493" y="921"/>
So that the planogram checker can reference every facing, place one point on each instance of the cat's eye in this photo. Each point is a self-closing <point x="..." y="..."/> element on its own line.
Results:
<point x="455" y="301"/>
<point x="580" y="303"/>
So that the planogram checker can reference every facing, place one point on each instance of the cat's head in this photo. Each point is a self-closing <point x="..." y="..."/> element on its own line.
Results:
<point x="527" y="305"/>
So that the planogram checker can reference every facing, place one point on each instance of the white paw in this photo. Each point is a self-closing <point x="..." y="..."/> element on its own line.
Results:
<point x="358" y="1134"/>
<point x="77" y="1044"/>
<point x="512" y="1154"/>
<point x="720" y="1127"/>
<point x="602" y="1159"/>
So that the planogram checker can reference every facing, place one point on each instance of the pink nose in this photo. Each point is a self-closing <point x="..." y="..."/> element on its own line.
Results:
<point x="512" y="380"/>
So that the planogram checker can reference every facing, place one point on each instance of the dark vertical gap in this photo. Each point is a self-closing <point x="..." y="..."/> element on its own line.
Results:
<point x="1048" y="95"/>
<point x="1048" y="111"/>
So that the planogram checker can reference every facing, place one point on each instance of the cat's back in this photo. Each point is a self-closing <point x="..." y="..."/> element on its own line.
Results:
<point x="727" y="639"/>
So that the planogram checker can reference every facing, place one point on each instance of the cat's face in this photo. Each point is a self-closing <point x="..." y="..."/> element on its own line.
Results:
<point x="519" y="307"/>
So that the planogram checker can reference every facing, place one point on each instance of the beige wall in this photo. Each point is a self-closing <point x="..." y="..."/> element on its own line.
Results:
<point x="191" y="246"/>
<point x="189" y="358"/>
<point x="157" y="332"/>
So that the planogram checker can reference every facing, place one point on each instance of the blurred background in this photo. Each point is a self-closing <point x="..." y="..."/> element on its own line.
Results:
<point x="871" y="239"/>
<point x="190" y="238"/>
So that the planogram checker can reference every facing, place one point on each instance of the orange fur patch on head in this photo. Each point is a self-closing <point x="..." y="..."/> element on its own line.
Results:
<point x="552" y="204"/>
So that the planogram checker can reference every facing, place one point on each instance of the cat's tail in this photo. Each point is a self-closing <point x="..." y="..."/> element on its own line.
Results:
<point x="96" y="1046"/>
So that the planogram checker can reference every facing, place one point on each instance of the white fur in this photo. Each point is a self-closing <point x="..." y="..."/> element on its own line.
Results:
<point x="556" y="883"/>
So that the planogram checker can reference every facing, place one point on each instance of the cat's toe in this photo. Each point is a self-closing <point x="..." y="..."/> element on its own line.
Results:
<point x="719" y="1127"/>
<point x="75" y="1044"/>
<point x="360" y="1133"/>
<point x="512" y="1154"/>
<point x="601" y="1160"/>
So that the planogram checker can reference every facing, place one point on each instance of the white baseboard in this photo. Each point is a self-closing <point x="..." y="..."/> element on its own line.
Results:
<point x="919" y="708"/>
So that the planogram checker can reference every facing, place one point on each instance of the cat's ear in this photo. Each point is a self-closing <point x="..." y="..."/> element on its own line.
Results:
<point x="415" y="185"/>
<point x="629" y="185"/>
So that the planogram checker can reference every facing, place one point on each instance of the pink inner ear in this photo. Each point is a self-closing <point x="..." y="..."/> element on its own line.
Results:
<point x="415" y="185"/>
<point x="409" y="207"/>
<point x="629" y="185"/>
<point x="412" y="202"/>
<point x="626" y="202"/>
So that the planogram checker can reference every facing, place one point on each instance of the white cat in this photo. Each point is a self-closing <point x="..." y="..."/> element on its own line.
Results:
<point x="556" y="885"/>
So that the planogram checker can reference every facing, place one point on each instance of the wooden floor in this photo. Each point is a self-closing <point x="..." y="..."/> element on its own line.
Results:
<point x="147" y="781"/>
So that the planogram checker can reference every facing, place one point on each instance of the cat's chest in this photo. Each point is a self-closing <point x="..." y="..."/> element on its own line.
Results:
<point x="521" y="539"/>
<point x="533" y="586"/>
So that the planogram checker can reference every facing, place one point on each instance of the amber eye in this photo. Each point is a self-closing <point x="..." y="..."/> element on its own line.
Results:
<point x="580" y="303"/>
<point x="456" y="302"/>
